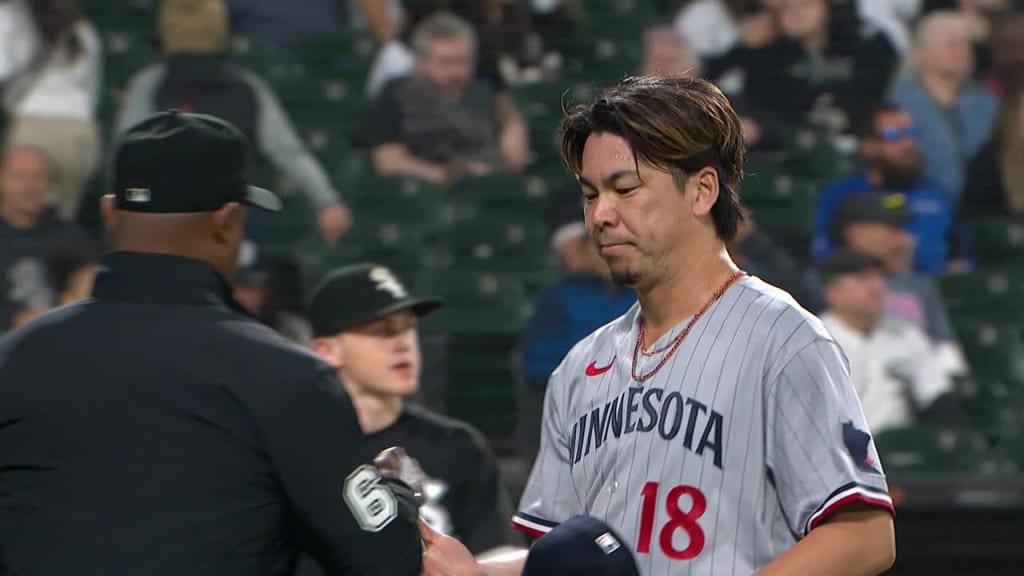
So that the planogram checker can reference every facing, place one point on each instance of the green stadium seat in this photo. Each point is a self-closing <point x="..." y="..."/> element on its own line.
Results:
<point x="998" y="240"/>
<point x="810" y="154"/>
<point x="1011" y="447"/>
<point x="518" y="248"/>
<point x="334" y="52"/>
<point x="930" y="450"/>
<point x="994" y="349"/>
<point x="482" y="385"/>
<point x="780" y="200"/>
<point x="475" y="302"/>
<point x="996" y="295"/>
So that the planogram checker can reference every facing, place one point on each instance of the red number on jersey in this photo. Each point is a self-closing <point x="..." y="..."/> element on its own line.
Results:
<point x="677" y="520"/>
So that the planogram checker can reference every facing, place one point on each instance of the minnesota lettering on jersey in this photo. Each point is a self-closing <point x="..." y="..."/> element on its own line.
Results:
<point x="649" y="411"/>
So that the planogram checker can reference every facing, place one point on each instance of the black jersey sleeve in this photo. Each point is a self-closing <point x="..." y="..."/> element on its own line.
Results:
<point x="351" y="520"/>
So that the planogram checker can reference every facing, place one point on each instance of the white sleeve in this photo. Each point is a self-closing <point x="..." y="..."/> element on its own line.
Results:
<point x="931" y="379"/>
<point x="550" y="496"/>
<point x="819" y="447"/>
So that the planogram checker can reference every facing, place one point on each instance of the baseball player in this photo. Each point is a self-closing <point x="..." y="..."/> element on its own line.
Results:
<point x="364" y="325"/>
<point x="714" y="425"/>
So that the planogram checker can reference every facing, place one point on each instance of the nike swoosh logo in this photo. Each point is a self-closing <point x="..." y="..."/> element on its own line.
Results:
<point x="594" y="370"/>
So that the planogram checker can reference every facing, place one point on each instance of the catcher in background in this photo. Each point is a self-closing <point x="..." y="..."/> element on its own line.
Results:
<point x="364" y="325"/>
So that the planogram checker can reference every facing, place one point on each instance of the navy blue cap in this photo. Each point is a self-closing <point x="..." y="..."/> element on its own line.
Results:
<point x="182" y="162"/>
<point x="580" y="546"/>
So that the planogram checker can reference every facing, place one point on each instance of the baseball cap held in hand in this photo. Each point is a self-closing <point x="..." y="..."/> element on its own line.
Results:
<point x="176" y="162"/>
<point x="580" y="546"/>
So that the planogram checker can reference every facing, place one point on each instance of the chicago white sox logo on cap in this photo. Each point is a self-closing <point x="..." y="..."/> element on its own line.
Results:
<point x="386" y="281"/>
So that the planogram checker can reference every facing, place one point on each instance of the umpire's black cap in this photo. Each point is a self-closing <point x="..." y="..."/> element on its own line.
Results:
<point x="182" y="162"/>
<point x="580" y="546"/>
<point x="359" y="293"/>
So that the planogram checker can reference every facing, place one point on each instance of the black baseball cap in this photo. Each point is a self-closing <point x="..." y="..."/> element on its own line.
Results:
<point x="359" y="293"/>
<point x="183" y="162"/>
<point x="884" y="207"/>
<point x="848" y="261"/>
<point x="580" y="546"/>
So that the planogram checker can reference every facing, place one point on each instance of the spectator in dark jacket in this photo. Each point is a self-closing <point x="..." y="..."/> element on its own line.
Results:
<point x="196" y="76"/>
<point x="827" y="57"/>
<point x="581" y="301"/>
<point x="30" y="234"/>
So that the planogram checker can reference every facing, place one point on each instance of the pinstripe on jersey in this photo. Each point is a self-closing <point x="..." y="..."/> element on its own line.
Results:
<point x="750" y="435"/>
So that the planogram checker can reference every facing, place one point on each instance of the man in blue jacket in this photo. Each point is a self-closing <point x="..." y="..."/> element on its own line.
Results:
<point x="892" y="162"/>
<point x="581" y="301"/>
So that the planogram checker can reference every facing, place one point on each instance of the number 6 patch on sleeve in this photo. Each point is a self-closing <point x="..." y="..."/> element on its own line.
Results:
<point x="372" y="504"/>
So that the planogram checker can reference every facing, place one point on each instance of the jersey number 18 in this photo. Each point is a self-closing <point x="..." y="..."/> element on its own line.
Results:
<point x="677" y="520"/>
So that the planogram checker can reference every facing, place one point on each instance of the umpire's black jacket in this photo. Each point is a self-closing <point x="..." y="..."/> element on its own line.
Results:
<point x="154" y="429"/>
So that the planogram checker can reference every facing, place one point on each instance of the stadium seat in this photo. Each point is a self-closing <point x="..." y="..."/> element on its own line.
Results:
<point x="922" y="449"/>
<point x="992" y="294"/>
<point x="475" y="302"/>
<point x="778" y="200"/>
<point x="334" y="52"/>
<point x="998" y="240"/>
<point x="481" y="383"/>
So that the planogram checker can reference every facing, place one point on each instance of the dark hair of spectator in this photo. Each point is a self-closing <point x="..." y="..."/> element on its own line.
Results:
<point x="676" y="123"/>
<point x="868" y="126"/>
<point x="55" y="20"/>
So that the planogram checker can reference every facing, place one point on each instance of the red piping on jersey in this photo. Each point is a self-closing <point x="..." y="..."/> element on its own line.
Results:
<point x="855" y="497"/>
<point x="531" y="531"/>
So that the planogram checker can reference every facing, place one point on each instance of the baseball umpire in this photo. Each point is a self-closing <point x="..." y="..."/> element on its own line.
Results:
<point x="156" y="429"/>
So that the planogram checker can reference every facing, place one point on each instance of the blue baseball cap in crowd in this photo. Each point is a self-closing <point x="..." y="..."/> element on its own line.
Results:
<point x="580" y="546"/>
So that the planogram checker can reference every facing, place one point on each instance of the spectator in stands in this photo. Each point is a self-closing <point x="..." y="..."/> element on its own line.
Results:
<point x="582" y="300"/>
<point x="952" y="113"/>
<point x="271" y="290"/>
<point x="1006" y="46"/>
<point x="18" y="40"/>
<point x="828" y="62"/>
<point x="994" y="185"/>
<point x="875" y="223"/>
<point x="715" y="27"/>
<point x="30" y="234"/>
<point x="277" y="25"/>
<point x="53" y="100"/>
<point x="893" y="365"/>
<point x="891" y="161"/>
<point x="504" y="31"/>
<point x="759" y="254"/>
<point x="364" y="321"/>
<point x="70" y="273"/>
<point x="196" y="76"/>
<point x="666" y="53"/>
<point x="980" y="16"/>
<point x="442" y="122"/>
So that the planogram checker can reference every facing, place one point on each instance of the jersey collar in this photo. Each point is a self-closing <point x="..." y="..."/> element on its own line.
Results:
<point x="162" y="279"/>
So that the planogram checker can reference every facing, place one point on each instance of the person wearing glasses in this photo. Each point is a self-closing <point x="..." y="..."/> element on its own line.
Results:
<point x="891" y="162"/>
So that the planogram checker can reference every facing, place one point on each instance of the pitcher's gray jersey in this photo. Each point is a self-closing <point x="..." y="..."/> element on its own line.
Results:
<point x="749" y="436"/>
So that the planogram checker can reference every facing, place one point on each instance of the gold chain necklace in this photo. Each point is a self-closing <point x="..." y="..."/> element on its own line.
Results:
<point x="674" y="344"/>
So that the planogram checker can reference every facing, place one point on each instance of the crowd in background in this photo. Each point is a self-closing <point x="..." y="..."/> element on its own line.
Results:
<point x="927" y="96"/>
